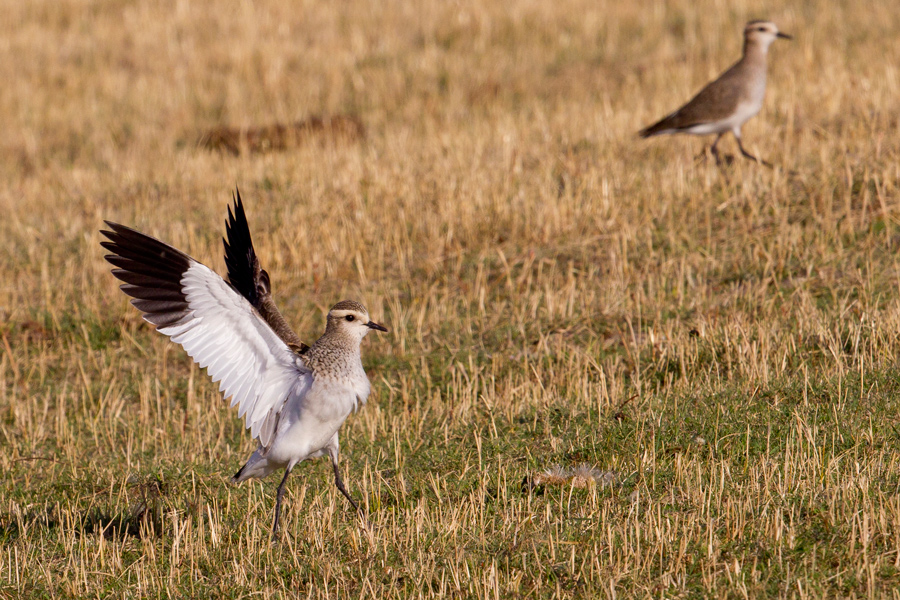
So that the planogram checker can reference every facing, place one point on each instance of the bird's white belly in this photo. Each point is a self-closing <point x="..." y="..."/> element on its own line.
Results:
<point x="745" y="111"/>
<point x="707" y="128"/>
<point x="305" y="430"/>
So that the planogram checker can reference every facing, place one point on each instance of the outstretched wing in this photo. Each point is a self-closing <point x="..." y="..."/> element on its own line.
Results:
<point x="250" y="279"/>
<point x="217" y="327"/>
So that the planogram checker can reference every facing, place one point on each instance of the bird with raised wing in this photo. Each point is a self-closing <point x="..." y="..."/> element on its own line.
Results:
<point x="731" y="100"/>
<point x="293" y="398"/>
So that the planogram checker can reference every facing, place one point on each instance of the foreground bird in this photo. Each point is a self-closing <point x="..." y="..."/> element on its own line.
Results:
<point x="731" y="100"/>
<point x="293" y="397"/>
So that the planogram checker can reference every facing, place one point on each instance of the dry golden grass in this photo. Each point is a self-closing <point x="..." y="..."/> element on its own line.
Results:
<point x="558" y="292"/>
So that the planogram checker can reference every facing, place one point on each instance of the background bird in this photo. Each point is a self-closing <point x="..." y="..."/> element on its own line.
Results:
<point x="731" y="100"/>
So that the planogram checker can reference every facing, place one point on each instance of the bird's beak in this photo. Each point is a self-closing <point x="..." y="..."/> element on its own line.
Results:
<point x="783" y="36"/>
<point x="374" y="325"/>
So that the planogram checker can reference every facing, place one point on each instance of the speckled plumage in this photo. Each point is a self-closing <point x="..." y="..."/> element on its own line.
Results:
<point x="351" y="305"/>
<point x="336" y="355"/>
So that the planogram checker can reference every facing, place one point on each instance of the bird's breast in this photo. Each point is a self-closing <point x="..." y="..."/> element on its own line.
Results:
<point x="335" y="398"/>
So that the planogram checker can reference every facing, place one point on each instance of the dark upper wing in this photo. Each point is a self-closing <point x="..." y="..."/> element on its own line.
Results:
<point x="249" y="278"/>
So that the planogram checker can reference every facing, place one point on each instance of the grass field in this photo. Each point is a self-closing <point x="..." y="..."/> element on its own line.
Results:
<point x="721" y="344"/>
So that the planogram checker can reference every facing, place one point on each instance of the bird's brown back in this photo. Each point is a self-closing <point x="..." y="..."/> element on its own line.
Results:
<point x="715" y="102"/>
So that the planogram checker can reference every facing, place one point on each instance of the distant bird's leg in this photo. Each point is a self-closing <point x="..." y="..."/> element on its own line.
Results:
<point x="278" y="498"/>
<point x="750" y="156"/>
<point x="714" y="151"/>
<point x="340" y="482"/>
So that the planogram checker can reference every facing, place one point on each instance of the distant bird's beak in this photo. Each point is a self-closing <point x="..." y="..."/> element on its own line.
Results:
<point x="783" y="36"/>
<point x="374" y="325"/>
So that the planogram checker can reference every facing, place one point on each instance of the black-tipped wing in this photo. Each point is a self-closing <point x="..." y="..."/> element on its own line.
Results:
<point x="249" y="278"/>
<point x="152" y="274"/>
<point x="244" y="272"/>
<point x="217" y="326"/>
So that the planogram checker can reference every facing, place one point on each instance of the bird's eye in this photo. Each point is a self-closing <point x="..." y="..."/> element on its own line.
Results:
<point x="349" y="317"/>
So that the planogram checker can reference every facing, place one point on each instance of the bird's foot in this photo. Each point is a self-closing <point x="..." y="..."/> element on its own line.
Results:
<point x="724" y="160"/>
<point x="753" y="158"/>
<point x="721" y="160"/>
<point x="703" y="156"/>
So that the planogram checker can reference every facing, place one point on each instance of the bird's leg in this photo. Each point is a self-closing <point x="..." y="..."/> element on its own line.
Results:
<point x="750" y="156"/>
<point x="702" y="155"/>
<point x="333" y="448"/>
<point x="278" y="498"/>
<point x="714" y="151"/>
<point x="340" y="482"/>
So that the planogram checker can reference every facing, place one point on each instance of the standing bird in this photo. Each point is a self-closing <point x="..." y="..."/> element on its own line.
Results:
<point x="293" y="398"/>
<point x="731" y="100"/>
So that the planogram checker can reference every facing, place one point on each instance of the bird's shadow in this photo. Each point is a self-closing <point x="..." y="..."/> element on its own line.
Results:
<point x="141" y="519"/>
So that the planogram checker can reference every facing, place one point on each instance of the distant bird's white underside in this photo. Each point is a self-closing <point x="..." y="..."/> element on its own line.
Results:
<point x="745" y="111"/>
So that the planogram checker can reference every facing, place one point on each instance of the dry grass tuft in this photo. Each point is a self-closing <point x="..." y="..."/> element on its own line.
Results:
<point x="280" y="137"/>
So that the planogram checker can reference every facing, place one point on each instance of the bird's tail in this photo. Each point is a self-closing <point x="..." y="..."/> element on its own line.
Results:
<point x="236" y="478"/>
<point x="652" y="129"/>
<point x="256" y="466"/>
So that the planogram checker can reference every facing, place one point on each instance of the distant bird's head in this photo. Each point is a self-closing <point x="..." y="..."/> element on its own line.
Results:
<point x="351" y="318"/>
<point x="762" y="33"/>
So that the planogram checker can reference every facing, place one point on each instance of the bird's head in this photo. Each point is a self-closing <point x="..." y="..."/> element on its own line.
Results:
<point x="762" y="33"/>
<point x="352" y="319"/>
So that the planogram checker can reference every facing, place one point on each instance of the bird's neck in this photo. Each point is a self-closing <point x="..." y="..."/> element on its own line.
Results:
<point x="755" y="53"/>
<point x="333" y="356"/>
